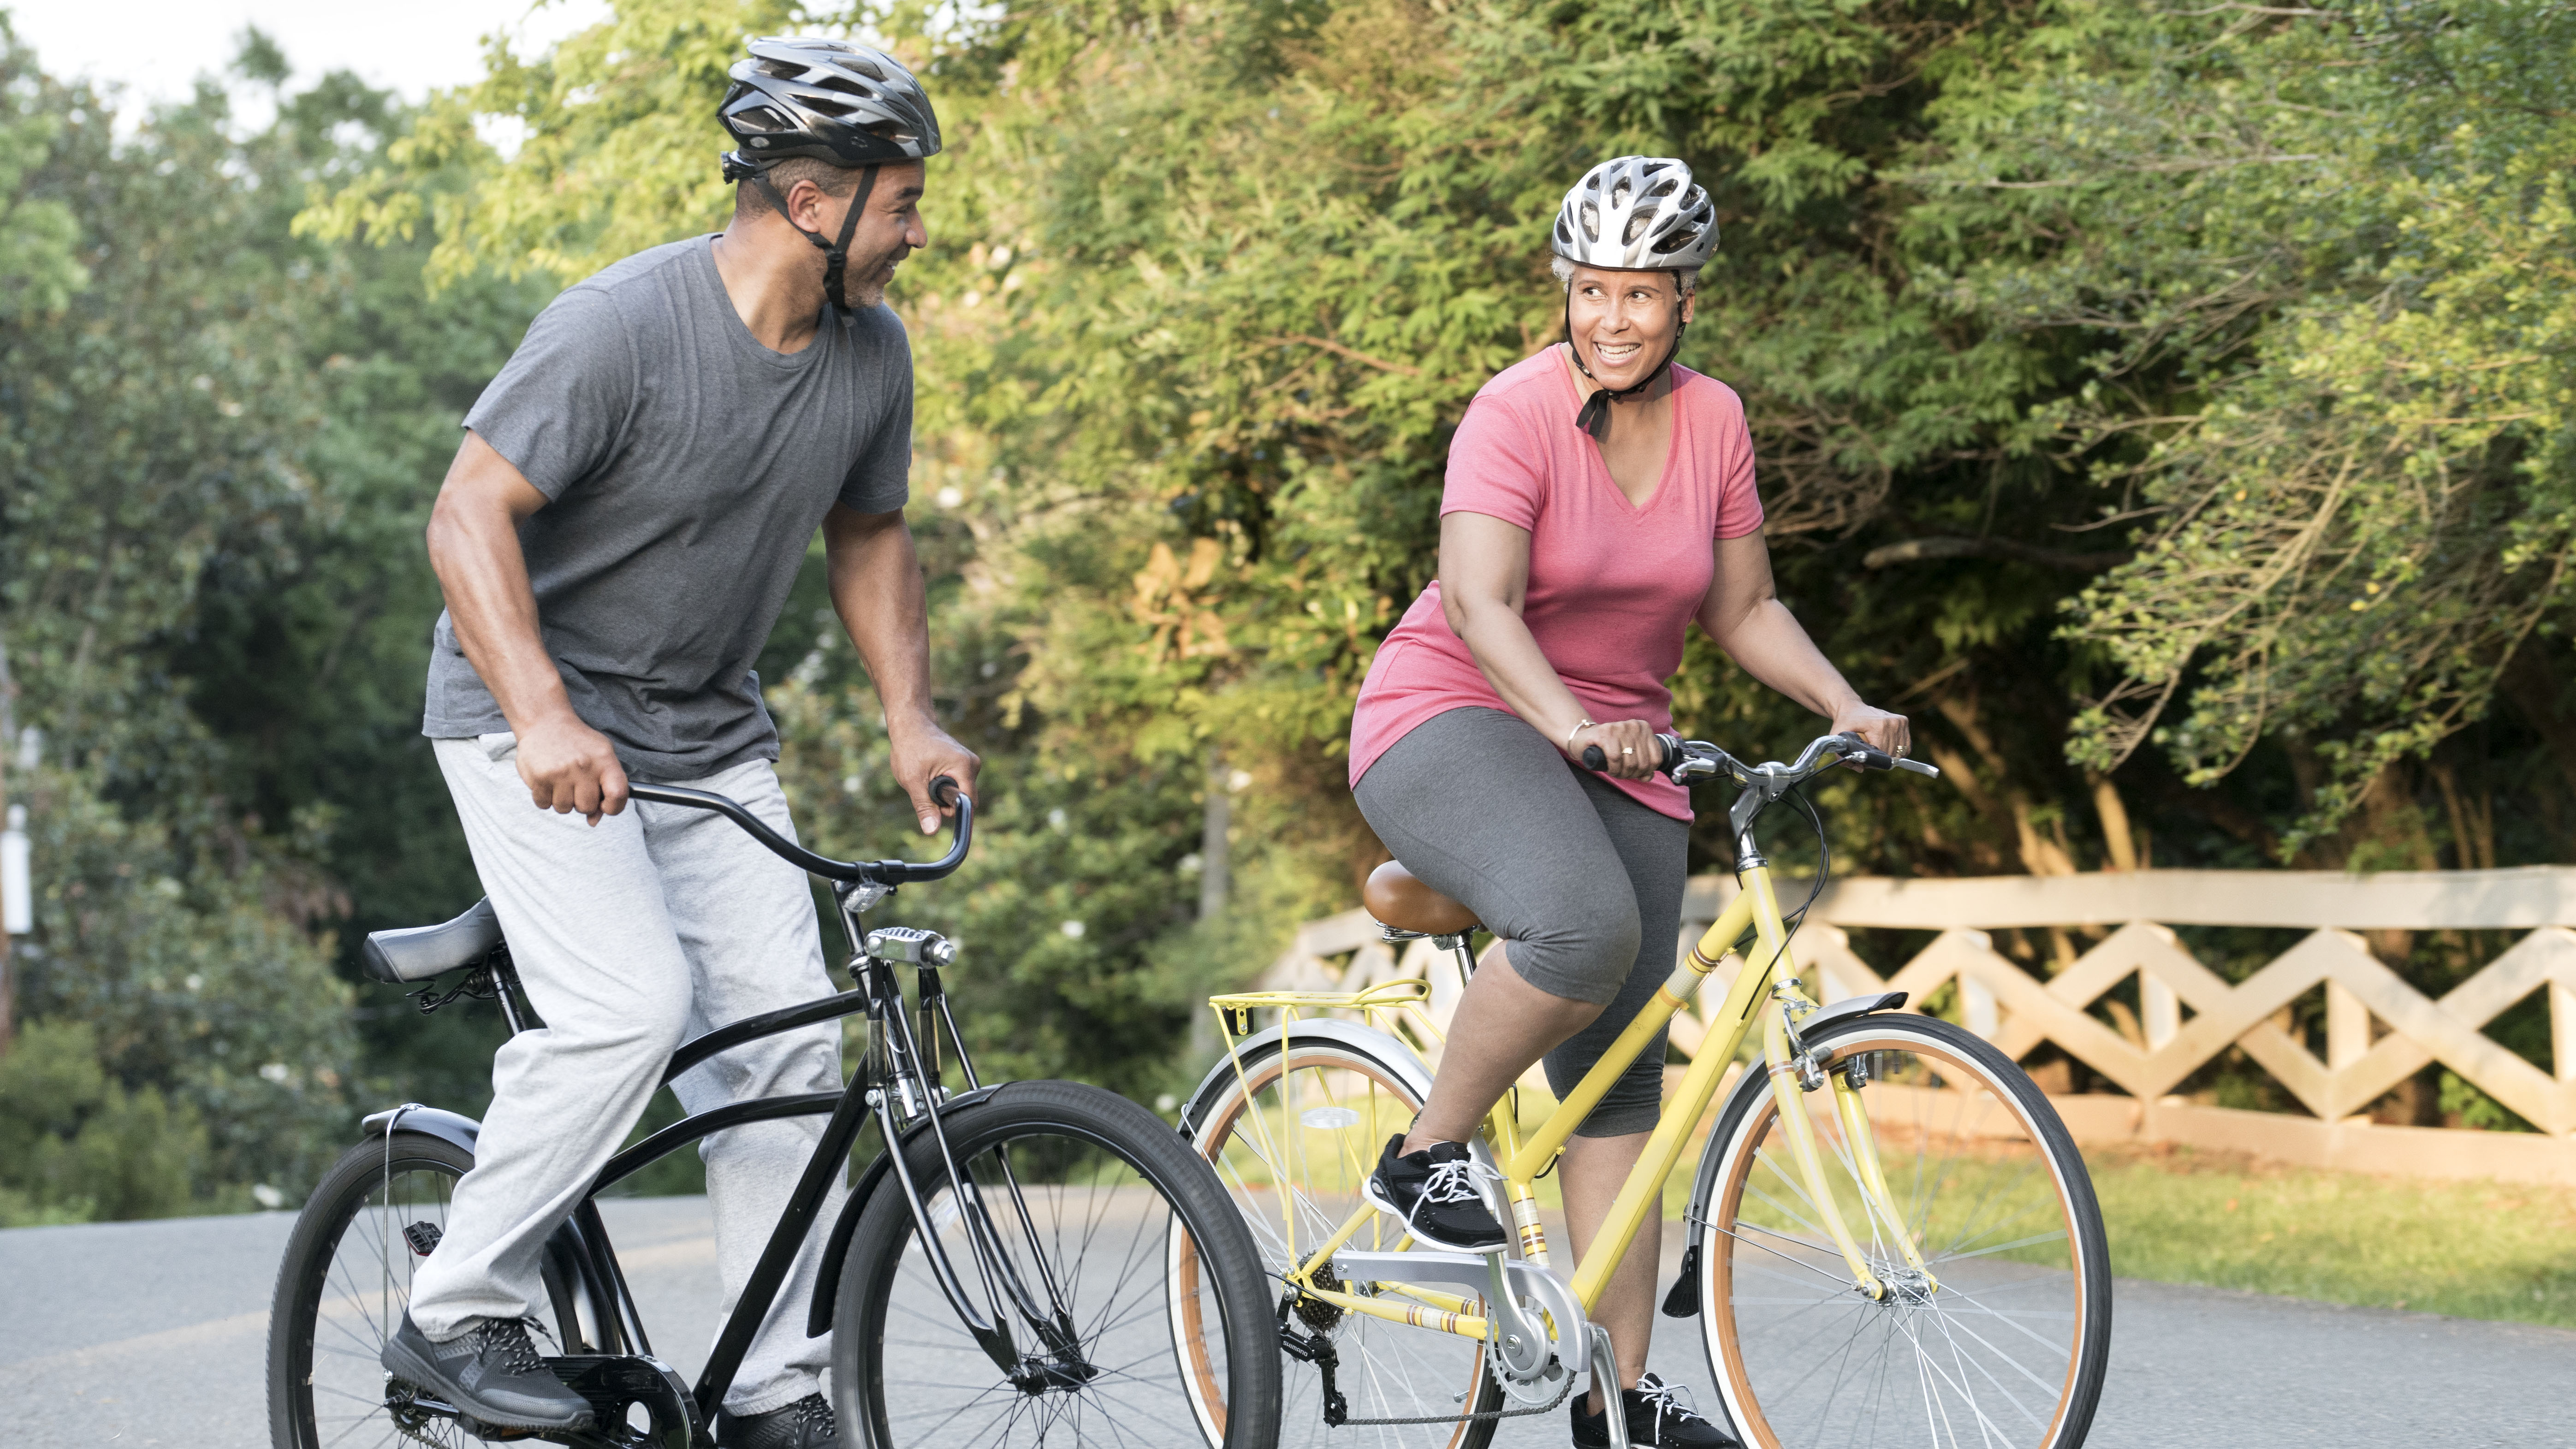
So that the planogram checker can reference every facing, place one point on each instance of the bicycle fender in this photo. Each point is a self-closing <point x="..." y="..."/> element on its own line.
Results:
<point x="1683" y="1300"/>
<point x="827" y="1282"/>
<point x="451" y="1127"/>
<point x="1387" y="1048"/>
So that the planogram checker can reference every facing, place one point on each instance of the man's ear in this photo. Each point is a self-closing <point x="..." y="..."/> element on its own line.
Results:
<point x="805" y="201"/>
<point x="1690" y="304"/>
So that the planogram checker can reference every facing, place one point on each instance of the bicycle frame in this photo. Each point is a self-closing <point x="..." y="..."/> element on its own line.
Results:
<point x="898" y="1084"/>
<point x="1522" y="1159"/>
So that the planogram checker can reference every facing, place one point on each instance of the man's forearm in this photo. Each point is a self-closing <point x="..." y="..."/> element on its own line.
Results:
<point x="877" y="590"/>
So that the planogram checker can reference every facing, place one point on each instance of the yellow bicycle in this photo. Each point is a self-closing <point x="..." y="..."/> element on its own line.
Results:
<point x="1891" y="1239"/>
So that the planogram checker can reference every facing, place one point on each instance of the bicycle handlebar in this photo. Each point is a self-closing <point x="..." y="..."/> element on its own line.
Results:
<point x="944" y="790"/>
<point x="1680" y="756"/>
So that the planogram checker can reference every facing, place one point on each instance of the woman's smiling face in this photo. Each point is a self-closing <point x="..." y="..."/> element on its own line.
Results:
<point x="1623" y="322"/>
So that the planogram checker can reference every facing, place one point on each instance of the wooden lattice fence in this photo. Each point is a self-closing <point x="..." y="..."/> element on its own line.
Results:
<point x="2379" y="1030"/>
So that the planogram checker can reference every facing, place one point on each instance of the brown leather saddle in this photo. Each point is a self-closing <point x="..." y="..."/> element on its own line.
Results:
<point x="1400" y="901"/>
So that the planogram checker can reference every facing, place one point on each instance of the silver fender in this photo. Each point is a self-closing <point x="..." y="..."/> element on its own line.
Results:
<point x="1390" y="1050"/>
<point x="1385" y="1048"/>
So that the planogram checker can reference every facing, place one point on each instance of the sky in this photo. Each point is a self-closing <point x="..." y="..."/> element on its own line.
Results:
<point x="159" y="47"/>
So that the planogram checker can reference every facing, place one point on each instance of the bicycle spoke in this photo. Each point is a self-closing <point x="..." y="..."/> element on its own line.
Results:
<point x="1993" y="1220"/>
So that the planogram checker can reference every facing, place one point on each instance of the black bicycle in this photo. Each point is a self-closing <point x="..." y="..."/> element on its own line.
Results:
<point x="1030" y="1262"/>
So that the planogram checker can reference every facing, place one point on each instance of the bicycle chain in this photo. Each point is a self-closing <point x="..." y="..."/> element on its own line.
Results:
<point x="1316" y="1348"/>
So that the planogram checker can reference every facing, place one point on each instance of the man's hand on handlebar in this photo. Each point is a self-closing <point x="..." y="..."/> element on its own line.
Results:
<point x="922" y="753"/>
<point x="1628" y="749"/>
<point x="570" y="768"/>
<point x="1890" y="733"/>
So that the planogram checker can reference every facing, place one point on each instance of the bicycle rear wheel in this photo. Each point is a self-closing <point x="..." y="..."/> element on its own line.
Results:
<point x="1293" y="1134"/>
<point x="1163" y="1335"/>
<point x="345" y="1284"/>
<point x="2008" y="1343"/>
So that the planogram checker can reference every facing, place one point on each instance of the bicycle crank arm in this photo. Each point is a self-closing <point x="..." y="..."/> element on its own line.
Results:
<point x="1605" y="1377"/>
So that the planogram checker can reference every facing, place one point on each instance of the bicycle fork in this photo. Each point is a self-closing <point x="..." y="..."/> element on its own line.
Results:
<point x="1795" y="1072"/>
<point x="908" y="1091"/>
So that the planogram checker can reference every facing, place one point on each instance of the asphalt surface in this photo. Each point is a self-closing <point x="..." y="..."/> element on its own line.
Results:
<point x="136" y="1334"/>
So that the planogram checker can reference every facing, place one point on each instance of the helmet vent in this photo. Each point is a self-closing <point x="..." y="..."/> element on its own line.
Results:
<point x="1663" y="188"/>
<point x="822" y="107"/>
<point x="845" y="86"/>
<point x="1678" y="241"/>
<point x="888" y="130"/>
<point x="1636" y="227"/>
<point x="762" y="118"/>
<point x="782" y="69"/>
<point x="863" y="66"/>
<point x="1591" y="222"/>
<point x="1619" y="192"/>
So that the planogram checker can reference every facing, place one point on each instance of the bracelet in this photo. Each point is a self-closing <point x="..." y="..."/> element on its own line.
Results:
<point x="1581" y="725"/>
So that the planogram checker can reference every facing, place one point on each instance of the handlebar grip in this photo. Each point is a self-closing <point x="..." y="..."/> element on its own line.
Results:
<point x="943" y="791"/>
<point x="1667" y="752"/>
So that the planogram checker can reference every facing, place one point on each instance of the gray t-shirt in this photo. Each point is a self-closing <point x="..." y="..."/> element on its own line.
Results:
<point x="688" y="467"/>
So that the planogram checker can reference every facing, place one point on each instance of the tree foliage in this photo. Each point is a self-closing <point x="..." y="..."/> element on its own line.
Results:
<point x="219" y="450"/>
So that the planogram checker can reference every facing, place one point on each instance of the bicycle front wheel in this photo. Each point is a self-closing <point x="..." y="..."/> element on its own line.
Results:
<point x="2004" y="1342"/>
<point x="1128" y="1286"/>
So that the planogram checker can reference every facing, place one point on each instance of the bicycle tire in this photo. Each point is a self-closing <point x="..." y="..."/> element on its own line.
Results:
<point x="1390" y="1371"/>
<point x="2010" y="1348"/>
<point x="422" y="1170"/>
<point x="1082" y="1158"/>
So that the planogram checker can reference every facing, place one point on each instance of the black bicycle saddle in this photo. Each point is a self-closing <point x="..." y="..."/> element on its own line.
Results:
<point x="416" y="953"/>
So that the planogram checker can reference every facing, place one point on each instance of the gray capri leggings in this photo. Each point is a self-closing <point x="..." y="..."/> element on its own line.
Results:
<point x="1582" y="883"/>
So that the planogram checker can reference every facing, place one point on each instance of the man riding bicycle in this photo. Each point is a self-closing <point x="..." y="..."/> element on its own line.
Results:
<point x="618" y="533"/>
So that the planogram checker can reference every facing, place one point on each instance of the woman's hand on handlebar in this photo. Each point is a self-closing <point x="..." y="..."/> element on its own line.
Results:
<point x="1628" y="747"/>
<point x="922" y="753"/>
<point x="1891" y="733"/>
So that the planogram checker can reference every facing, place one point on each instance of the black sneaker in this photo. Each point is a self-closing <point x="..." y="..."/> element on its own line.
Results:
<point x="1657" y="1417"/>
<point x="1434" y="1192"/>
<point x="490" y="1373"/>
<point x="805" y="1424"/>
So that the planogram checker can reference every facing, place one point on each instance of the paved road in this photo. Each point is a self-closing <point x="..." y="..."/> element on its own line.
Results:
<point x="138" y="1334"/>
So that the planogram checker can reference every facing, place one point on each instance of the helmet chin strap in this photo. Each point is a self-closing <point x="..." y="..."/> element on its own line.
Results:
<point x="836" y="254"/>
<point x="1595" y="417"/>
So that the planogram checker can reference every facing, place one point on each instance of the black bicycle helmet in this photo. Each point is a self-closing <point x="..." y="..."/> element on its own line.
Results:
<point x="832" y="101"/>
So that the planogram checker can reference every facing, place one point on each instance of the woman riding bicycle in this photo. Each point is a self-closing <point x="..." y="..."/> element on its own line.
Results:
<point x="1600" y="497"/>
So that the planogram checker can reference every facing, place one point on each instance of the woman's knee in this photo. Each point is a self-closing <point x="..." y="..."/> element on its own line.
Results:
<point x="1584" y="948"/>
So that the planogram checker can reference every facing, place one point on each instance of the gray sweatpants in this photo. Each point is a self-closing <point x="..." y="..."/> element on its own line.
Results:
<point x="1582" y="883"/>
<point x="632" y="936"/>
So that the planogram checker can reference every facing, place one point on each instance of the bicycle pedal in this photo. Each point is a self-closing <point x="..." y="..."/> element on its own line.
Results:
<point x="1683" y="1301"/>
<point x="423" y="1238"/>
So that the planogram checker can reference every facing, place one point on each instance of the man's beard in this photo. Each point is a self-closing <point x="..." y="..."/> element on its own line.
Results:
<point x="867" y="288"/>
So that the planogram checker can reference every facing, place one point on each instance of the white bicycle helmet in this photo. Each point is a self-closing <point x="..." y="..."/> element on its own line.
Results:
<point x="1637" y="214"/>
<point x="1632" y="214"/>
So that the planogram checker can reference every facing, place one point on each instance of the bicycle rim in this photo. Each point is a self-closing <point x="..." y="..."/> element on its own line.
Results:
<point x="1099" y="1240"/>
<point x="1293" y="1138"/>
<point x="2004" y="1344"/>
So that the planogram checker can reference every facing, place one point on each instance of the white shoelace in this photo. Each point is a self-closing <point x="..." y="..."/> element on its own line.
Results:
<point x="1455" y="1181"/>
<point x="1668" y="1399"/>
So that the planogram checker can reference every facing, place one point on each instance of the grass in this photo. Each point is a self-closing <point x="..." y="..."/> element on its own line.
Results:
<point x="2468" y="1249"/>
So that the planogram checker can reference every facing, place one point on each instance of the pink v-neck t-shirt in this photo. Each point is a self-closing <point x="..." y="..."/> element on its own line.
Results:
<point x="1611" y="585"/>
